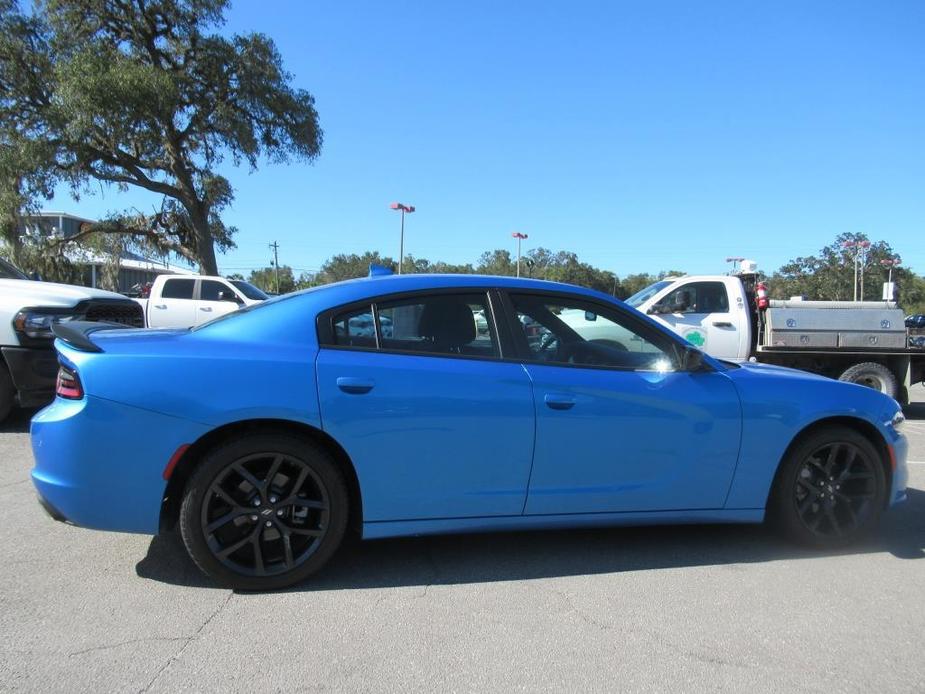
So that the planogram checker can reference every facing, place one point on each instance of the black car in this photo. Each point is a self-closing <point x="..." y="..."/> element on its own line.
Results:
<point x="916" y="320"/>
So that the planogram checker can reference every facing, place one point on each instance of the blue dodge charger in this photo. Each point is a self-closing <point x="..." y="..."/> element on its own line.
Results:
<point x="486" y="403"/>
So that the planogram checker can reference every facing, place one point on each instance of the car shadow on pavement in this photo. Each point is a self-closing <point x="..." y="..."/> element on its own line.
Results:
<point x="457" y="559"/>
<point x="914" y="411"/>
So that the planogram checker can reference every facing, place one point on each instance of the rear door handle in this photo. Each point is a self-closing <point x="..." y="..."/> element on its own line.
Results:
<point x="355" y="386"/>
<point x="559" y="401"/>
<point x="160" y="305"/>
<point x="722" y="324"/>
<point x="205" y="308"/>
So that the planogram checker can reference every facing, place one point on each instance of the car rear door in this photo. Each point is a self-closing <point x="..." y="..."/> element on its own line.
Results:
<point x="175" y="307"/>
<point x="436" y="423"/>
<point x="619" y="426"/>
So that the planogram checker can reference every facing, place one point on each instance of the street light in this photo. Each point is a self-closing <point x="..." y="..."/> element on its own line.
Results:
<point x="401" y="247"/>
<point x="889" y="263"/>
<point x="860" y="257"/>
<point x="520" y="237"/>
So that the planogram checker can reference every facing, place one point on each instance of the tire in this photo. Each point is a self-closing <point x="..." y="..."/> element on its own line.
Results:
<point x="872" y="375"/>
<point x="263" y="512"/>
<point x="7" y="392"/>
<point x="830" y="490"/>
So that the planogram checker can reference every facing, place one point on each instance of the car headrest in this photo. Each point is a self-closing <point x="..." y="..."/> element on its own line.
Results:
<point x="448" y="322"/>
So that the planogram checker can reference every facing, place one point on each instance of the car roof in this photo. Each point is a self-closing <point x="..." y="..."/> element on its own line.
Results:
<point x="368" y="287"/>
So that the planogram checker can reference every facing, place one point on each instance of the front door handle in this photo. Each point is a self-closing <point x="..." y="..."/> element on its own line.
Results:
<point x="160" y="305"/>
<point x="205" y="308"/>
<point x="355" y="386"/>
<point x="722" y="324"/>
<point x="559" y="401"/>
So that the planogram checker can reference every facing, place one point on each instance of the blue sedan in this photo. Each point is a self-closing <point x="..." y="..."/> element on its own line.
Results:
<point x="269" y="434"/>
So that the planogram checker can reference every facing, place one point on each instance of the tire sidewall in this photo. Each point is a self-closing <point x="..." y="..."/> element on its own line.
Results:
<point x="782" y="506"/>
<point x="216" y="462"/>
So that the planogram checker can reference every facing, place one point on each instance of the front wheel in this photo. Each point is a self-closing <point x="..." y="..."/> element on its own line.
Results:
<point x="831" y="489"/>
<point x="264" y="512"/>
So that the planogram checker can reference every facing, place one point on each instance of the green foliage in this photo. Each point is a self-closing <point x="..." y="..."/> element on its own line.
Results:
<point x="830" y="275"/>
<point x="144" y="93"/>
<point x="346" y="266"/>
<point x="266" y="280"/>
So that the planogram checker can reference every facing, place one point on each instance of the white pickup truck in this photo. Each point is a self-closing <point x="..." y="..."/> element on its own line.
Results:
<point x="28" y="362"/>
<point x="180" y="301"/>
<point x="730" y="317"/>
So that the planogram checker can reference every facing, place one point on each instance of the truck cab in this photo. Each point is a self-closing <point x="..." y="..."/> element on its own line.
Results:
<point x="178" y="301"/>
<point x="712" y="312"/>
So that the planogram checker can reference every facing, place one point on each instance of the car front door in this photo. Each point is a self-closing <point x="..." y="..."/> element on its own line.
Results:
<point x="700" y="313"/>
<point x="210" y="306"/>
<point x="436" y="423"/>
<point x="175" y="307"/>
<point x="620" y="426"/>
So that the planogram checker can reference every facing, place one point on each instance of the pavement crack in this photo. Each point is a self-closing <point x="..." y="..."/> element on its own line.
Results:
<point x="188" y="640"/>
<point x="151" y="639"/>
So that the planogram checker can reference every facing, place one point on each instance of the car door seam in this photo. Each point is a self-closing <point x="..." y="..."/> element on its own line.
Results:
<point x="523" y="510"/>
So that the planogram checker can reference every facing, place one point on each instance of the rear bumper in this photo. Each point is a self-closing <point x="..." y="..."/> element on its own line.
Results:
<point x="33" y="371"/>
<point x="99" y="464"/>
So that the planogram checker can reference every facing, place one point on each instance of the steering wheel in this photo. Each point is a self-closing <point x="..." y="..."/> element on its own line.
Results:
<point x="548" y="340"/>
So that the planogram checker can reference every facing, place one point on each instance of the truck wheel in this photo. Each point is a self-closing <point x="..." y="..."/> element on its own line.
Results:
<point x="7" y="392"/>
<point x="872" y="375"/>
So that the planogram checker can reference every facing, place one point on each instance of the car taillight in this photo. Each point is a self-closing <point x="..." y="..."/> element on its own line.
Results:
<point x="68" y="385"/>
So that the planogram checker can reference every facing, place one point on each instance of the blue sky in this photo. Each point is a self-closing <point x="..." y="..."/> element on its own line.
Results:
<point x="640" y="135"/>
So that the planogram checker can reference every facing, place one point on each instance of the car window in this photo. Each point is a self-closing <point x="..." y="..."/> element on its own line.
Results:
<point x="696" y="297"/>
<point x="440" y="324"/>
<point x="209" y="289"/>
<point x="178" y="289"/>
<point x="356" y="328"/>
<point x="586" y="334"/>
<point x="250" y="291"/>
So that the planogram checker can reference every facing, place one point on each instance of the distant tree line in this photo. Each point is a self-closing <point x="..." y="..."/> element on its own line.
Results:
<point x="828" y="275"/>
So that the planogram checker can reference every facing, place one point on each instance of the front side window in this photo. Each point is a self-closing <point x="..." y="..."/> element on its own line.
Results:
<point x="440" y="324"/>
<point x="209" y="290"/>
<point x="695" y="297"/>
<point x="178" y="289"/>
<point x="585" y="334"/>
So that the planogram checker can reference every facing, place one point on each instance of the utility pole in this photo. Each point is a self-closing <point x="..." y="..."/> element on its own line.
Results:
<point x="275" y="247"/>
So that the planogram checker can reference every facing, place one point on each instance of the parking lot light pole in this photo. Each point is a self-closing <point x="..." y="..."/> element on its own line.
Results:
<point x="860" y="257"/>
<point x="520" y="237"/>
<point x="401" y="245"/>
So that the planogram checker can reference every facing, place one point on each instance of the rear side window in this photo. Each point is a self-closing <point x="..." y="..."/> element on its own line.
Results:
<point x="437" y="324"/>
<point x="441" y="324"/>
<point x="355" y="328"/>
<point x="178" y="289"/>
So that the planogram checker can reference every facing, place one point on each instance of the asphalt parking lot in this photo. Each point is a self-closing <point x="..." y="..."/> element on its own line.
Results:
<point x="693" y="608"/>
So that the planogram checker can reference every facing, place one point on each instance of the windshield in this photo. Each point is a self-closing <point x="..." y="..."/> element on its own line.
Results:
<point x="8" y="271"/>
<point x="249" y="290"/>
<point x="647" y="293"/>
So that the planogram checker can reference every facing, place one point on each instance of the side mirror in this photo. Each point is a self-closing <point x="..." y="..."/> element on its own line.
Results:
<point x="228" y="296"/>
<point x="692" y="359"/>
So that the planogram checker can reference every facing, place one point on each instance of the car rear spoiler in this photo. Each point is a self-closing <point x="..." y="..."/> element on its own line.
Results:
<point x="77" y="333"/>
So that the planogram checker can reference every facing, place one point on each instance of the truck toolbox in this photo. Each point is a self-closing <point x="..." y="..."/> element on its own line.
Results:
<point x="838" y="325"/>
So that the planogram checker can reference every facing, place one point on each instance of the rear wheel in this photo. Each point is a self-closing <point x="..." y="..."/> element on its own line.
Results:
<point x="830" y="490"/>
<point x="872" y="375"/>
<point x="264" y="512"/>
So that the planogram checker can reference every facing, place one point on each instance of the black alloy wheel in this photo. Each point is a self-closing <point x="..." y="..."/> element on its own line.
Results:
<point x="831" y="490"/>
<point x="264" y="512"/>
